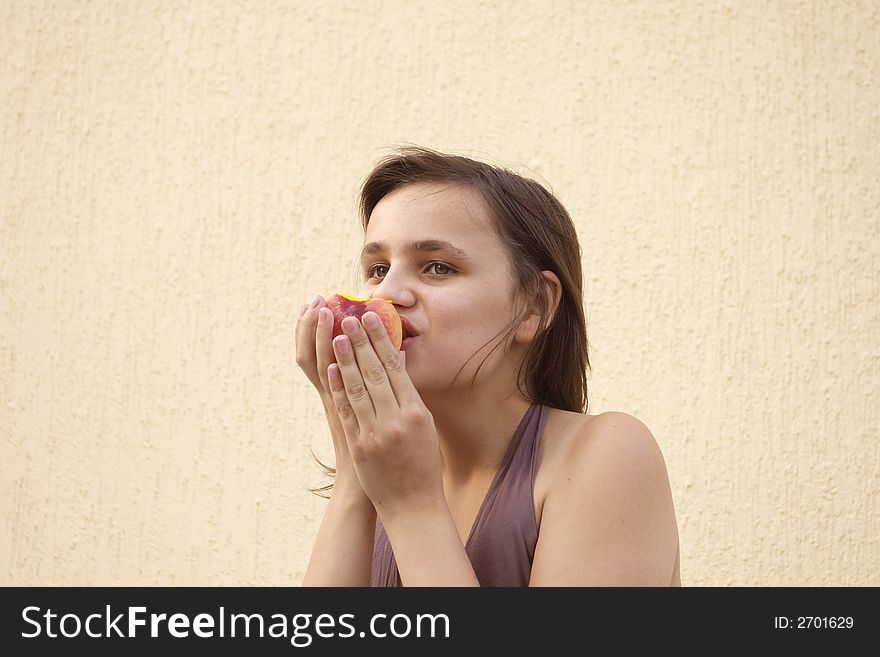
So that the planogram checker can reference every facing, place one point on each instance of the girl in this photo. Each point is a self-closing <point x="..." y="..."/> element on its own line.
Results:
<point x="467" y="459"/>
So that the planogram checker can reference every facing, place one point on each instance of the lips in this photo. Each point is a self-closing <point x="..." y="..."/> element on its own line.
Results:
<point x="408" y="330"/>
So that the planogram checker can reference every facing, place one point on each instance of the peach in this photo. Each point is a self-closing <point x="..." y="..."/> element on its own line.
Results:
<point x="344" y="305"/>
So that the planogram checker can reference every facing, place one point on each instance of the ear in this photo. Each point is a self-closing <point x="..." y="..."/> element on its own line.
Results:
<point x="531" y="328"/>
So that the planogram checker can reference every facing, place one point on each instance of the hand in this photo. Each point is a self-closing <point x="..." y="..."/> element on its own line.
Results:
<point x="390" y="432"/>
<point x="314" y="353"/>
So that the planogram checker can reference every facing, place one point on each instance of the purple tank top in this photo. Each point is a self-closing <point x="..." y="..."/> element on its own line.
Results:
<point x="501" y="544"/>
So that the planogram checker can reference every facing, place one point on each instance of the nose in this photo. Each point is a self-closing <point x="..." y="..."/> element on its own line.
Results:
<point x="395" y="289"/>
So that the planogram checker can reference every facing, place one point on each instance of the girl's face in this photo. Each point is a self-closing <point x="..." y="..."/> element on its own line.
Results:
<point x="431" y="250"/>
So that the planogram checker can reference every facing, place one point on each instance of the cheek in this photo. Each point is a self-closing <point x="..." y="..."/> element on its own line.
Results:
<point x="469" y="322"/>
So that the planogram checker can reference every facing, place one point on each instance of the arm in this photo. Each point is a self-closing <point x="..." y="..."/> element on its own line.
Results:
<point x="427" y="547"/>
<point x="343" y="550"/>
<point x="609" y="519"/>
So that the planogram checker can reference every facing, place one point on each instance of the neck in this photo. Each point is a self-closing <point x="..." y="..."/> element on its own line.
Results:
<point x="475" y="428"/>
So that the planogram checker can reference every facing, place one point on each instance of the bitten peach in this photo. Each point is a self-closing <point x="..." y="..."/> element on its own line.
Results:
<point x="344" y="305"/>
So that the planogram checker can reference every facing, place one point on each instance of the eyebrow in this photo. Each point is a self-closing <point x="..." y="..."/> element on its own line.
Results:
<point x="416" y="246"/>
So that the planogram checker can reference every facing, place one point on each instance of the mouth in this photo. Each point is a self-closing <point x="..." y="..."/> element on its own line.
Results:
<point x="408" y="330"/>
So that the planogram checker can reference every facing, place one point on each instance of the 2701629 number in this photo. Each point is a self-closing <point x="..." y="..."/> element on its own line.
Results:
<point x="824" y="622"/>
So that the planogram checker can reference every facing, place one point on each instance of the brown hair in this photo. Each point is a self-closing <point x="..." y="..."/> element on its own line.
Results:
<point x="539" y="235"/>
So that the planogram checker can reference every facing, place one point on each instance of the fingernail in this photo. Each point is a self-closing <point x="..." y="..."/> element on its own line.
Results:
<point x="342" y="344"/>
<point x="315" y="301"/>
<point x="370" y="320"/>
<point x="350" y="324"/>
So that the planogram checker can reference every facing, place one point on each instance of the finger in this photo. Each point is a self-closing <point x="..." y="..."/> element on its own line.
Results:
<point x="324" y="342"/>
<point x="305" y="332"/>
<point x="392" y="360"/>
<point x="340" y="400"/>
<point x="306" y="309"/>
<point x="307" y="315"/>
<point x="355" y="389"/>
<point x="371" y="368"/>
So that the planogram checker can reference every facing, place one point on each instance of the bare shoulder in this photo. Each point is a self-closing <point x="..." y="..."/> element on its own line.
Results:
<point x="571" y="438"/>
<point x="613" y="447"/>
<point x="607" y="516"/>
<point x="616" y="435"/>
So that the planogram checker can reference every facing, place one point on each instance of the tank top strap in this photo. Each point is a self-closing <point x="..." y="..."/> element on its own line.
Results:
<point x="513" y="485"/>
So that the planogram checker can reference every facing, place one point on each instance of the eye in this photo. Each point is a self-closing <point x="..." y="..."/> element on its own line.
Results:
<point x="371" y="272"/>
<point x="443" y="265"/>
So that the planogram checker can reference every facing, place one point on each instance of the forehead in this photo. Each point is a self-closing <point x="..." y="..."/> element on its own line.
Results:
<point x="423" y="211"/>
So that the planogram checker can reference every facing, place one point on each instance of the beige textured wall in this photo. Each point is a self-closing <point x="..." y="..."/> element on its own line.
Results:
<point x="176" y="178"/>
